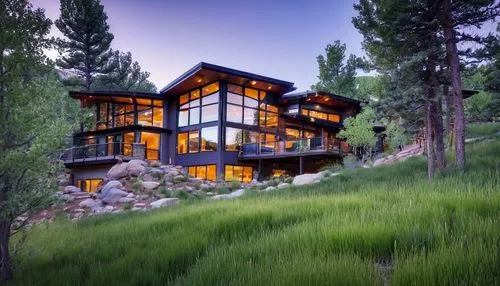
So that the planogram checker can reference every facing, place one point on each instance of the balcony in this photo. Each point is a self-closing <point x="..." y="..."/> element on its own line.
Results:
<point x="293" y="148"/>
<point x="106" y="152"/>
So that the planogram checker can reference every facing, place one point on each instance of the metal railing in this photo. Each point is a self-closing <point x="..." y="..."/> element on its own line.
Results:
<point x="103" y="151"/>
<point x="294" y="146"/>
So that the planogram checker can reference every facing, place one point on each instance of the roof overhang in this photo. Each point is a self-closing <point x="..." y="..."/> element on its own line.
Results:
<point x="324" y="98"/>
<point x="114" y="93"/>
<point x="204" y="73"/>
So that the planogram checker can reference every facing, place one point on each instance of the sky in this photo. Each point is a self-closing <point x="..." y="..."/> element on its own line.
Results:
<point x="275" y="38"/>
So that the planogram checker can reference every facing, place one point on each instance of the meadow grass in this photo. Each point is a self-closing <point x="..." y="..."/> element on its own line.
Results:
<point x="363" y="227"/>
<point x="482" y="129"/>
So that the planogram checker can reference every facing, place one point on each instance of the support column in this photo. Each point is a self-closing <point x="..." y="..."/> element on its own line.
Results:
<point x="301" y="167"/>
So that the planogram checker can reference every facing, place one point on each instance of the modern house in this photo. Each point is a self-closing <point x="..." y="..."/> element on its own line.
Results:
<point x="217" y="122"/>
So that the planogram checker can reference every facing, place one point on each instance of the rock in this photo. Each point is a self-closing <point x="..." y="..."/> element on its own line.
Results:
<point x="136" y="167"/>
<point x="378" y="162"/>
<point x="111" y="185"/>
<point x="139" y="205"/>
<point x="78" y="210"/>
<point x="150" y="185"/>
<point x="270" y="188"/>
<point x="83" y="195"/>
<point x="282" y="185"/>
<point x="126" y="200"/>
<point x="113" y="195"/>
<point x="366" y="166"/>
<point x="90" y="203"/>
<point x="235" y="194"/>
<point x="136" y="209"/>
<point x="109" y="208"/>
<point x="130" y="195"/>
<point x="306" y="179"/>
<point x="118" y="171"/>
<point x="164" y="202"/>
<point x="71" y="190"/>
<point x="204" y="187"/>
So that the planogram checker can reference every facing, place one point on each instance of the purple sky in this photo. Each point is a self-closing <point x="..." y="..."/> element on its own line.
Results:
<point x="280" y="39"/>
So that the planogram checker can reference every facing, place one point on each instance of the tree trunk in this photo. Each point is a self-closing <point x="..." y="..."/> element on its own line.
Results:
<point x="5" y="264"/>
<point x="456" y="83"/>
<point x="436" y="114"/>
<point x="448" y="101"/>
<point x="429" y="141"/>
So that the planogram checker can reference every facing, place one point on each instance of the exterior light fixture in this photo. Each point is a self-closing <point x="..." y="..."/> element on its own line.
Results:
<point x="199" y="80"/>
<point x="269" y="87"/>
<point x="253" y="82"/>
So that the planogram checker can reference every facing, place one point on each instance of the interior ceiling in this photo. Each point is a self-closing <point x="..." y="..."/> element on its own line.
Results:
<point x="328" y="101"/>
<point x="205" y="76"/>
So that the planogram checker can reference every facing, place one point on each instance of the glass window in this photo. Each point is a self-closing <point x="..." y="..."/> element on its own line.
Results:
<point x="292" y="133"/>
<point x="194" y="116"/>
<point x="182" y="143"/>
<point x="212" y="172"/>
<point x="250" y="102"/>
<point x="234" y="89"/>
<point x="238" y="173"/>
<point x="210" y="113"/>
<point x="183" y="117"/>
<point x="234" y="98"/>
<point x="262" y="95"/>
<point x="250" y="116"/>
<point x="158" y="117"/>
<point x="233" y="139"/>
<point x="234" y="113"/>
<point x="194" y="141"/>
<point x="251" y="137"/>
<point x="211" y="88"/>
<point x="209" y="99"/>
<point x="272" y="108"/>
<point x="152" y="143"/>
<point x="184" y="99"/>
<point x="334" y="118"/>
<point x="192" y="171"/>
<point x="305" y="112"/>
<point x="145" y="117"/>
<point x="201" y="172"/>
<point x="271" y="120"/>
<point x="209" y="138"/>
<point x="262" y="118"/>
<point x="89" y="185"/>
<point x="195" y="94"/>
<point x="128" y="139"/>
<point x="253" y="93"/>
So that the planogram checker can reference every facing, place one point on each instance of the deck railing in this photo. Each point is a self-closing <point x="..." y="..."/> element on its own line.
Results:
<point x="294" y="146"/>
<point x="104" y="151"/>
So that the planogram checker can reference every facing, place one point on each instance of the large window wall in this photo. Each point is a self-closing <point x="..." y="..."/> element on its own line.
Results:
<point x="199" y="106"/>
<point x="248" y="106"/>
<point x="195" y="141"/>
<point x="238" y="173"/>
<point x="321" y="115"/>
<point x="119" y="114"/>
<point x="205" y="172"/>
<point x="235" y="137"/>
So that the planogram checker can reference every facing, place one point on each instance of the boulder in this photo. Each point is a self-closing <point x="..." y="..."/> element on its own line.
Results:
<point x="235" y="194"/>
<point x="139" y="205"/>
<point x="270" y="188"/>
<point x="71" y="190"/>
<point x="283" y="185"/>
<point x="126" y="200"/>
<point x="130" y="195"/>
<point x="90" y="203"/>
<point x="164" y="202"/>
<point x="136" y="167"/>
<point x="113" y="196"/>
<point x="118" y="171"/>
<point x="150" y="185"/>
<point x="306" y="179"/>
<point x="111" y="185"/>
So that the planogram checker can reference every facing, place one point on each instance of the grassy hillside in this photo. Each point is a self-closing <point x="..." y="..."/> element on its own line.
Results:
<point x="359" y="228"/>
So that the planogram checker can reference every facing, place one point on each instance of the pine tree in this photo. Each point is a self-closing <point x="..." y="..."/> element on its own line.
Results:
<point x="336" y="74"/>
<point x="87" y="47"/>
<point x="126" y="76"/>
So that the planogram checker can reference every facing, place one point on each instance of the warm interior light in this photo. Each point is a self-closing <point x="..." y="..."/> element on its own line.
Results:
<point x="199" y="80"/>
<point x="253" y="82"/>
<point x="327" y="99"/>
<point x="269" y="87"/>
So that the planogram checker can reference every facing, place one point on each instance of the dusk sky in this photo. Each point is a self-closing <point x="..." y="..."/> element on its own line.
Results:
<point x="280" y="39"/>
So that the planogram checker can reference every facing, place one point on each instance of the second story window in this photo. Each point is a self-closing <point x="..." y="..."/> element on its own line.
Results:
<point x="321" y="115"/>
<point x="199" y="106"/>
<point x="118" y="114"/>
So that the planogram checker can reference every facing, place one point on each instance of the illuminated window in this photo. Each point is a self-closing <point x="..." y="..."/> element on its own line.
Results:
<point x="152" y="143"/>
<point x="292" y="133"/>
<point x="182" y="143"/>
<point x="194" y="141"/>
<point x="128" y="140"/>
<point x="199" y="106"/>
<point x="233" y="139"/>
<point x="247" y="106"/>
<point x="205" y="172"/>
<point x="209" y="138"/>
<point x="238" y="173"/>
<point x="89" y="185"/>
<point x="321" y="115"/>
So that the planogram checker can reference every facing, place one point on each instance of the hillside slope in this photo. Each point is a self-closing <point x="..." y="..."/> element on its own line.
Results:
<point x="384" y="225"/>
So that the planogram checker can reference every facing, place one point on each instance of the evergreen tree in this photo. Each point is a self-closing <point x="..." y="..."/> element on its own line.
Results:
<point x="336" y="74"/>
<point x="32" y="128"/>
<point x="126" y="76"/>
<point x="87" y="47"/>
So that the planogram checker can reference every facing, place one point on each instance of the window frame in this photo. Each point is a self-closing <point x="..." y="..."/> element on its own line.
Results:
<point x="206" y="171"/>
<point x="200" y="106"/>
<point x="242" y="179"/>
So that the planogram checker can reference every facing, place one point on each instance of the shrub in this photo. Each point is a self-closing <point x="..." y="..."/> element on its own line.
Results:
<point x="223" y="190"/>
<point x="182" y="194"/>
<point x="235" y="185"/>
<point x="127" y="206"/>
<point x="165" y="191"/>
<point x="288" y="180"/>
<point x="137" y="186"/>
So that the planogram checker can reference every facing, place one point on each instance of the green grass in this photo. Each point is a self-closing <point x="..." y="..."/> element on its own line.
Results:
<point x="331" y="233"/>
<point x="482" y="129"/>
